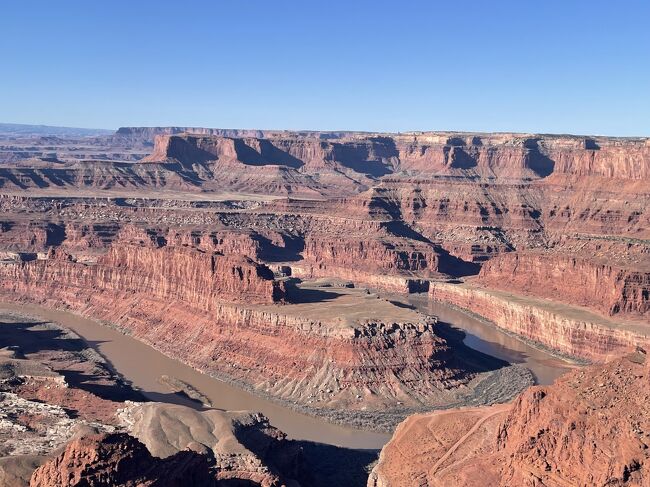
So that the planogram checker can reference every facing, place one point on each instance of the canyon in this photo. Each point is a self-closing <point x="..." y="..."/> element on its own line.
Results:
<point x="281" y="262"/>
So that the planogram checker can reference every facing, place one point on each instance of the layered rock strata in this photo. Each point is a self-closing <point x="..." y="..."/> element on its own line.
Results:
<point x="504" y="155"/>
<point x="324" y="164"/>
<point x="359" y="352"/>
<point x="570" y="330"/>
<point x="177" y="273"/>
<point x="609" y="289"/>
<point x="388" y="211"/>
<point x="62" y="407"/>
<point x="590" y="428"/>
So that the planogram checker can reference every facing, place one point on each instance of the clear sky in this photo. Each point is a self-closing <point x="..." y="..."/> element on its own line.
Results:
<point x="570" y="66"/>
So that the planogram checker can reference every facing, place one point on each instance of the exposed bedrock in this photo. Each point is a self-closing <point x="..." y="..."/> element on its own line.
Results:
<point x="176" y="446"/>
<point x="590" y="428"/>
<point x="325" y="164"/>
<point x="387" y="211"/>
<point x="370" y="156"/>
<point x="360" y="352"/>
<point x="120" y="459"/>
<point x="61" y="406"/>
<point x="504" y="155"/>
<point x="568" y="329"/>
<point x="376" y="256"/>
<point x="307" y="237"/>
<point x="478" y="218"/>
<point x="178" y="273"/>
<point x="607" y="288"/>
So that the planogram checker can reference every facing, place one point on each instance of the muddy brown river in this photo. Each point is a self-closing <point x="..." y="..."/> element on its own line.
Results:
<point x="490" y="340"/>
<point x="143" y="366"/>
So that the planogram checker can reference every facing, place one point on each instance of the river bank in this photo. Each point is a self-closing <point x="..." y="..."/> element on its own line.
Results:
<point x="143" y="366"/>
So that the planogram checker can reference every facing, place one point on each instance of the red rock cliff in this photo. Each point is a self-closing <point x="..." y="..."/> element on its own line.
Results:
<point x="566" y="329"/>
<point x="588" y="429"/>
<point x="199" y="307"/>
<point x="608" y="288"/>
<point x="119" y="459"/>
<point x="187" y="275"/>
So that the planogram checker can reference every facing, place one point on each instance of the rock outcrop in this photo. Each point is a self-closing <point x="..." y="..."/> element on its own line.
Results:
<point x="175" y="242"/>
<point x="120" y="459"/>
<point x="63" y="408"/>
<point x="217" y="313"/>
<point x="590" y="428"/>
<point x="177" y="273"/>
<point x="325" y="163"/>
<point x="570" y="330"/>
<point x="398" y="236"/>
<point x="241" y="446"/>
<point x="581" y="281"/>
<point x="503" y="155"/>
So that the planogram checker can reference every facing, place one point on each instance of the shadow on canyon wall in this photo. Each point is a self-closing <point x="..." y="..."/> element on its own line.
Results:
<point x="455" y="266"/>
<point x="327" y="465"/>
<point x="375" y="160"/>
<point x="461" y="159"/>
<point x="540" y="163"/>
<point x="468" y="358"/>
<point x="447" y="263"/>
<point x="296" y="295"/>
<point x="290" y="252"/>
<point x="267" y="154"/>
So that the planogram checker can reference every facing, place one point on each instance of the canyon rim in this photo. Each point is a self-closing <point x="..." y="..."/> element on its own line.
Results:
<point x="325" y="244"/>
<point x="303" y="268"/>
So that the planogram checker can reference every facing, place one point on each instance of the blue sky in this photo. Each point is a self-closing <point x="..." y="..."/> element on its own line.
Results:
<point x="569" y="66"/>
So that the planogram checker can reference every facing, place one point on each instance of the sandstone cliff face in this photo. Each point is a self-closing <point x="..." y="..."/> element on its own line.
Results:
<point x="520" y="155"/>
<point x="506" y="160"/>
<point x="613" y="160"/>
<point x="501" y="155"/>
<point x="371" y="255"/>
<point x="193" y="276"/>
<point x="574" y="280"/>
<point x="395" y="236"/>
<point x="119" y="459"/>
<point x="574" y="331"/>
<point x="327" y="164"/>
<point x="588" y="429"/>
<point x="183" y="302"/>
<point x="371" y="156"/>
<point x="177" y="273"/>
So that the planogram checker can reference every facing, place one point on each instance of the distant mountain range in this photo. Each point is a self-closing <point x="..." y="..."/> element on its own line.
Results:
<point x="26" y="130"/>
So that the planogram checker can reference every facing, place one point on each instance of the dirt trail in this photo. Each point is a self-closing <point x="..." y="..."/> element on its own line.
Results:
<point x="488" y="413"/>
